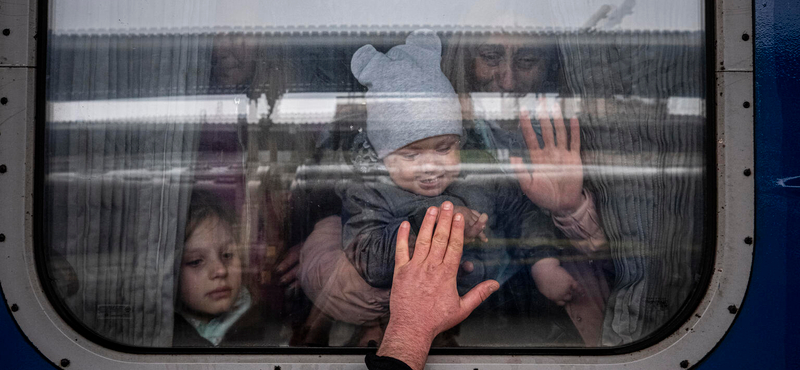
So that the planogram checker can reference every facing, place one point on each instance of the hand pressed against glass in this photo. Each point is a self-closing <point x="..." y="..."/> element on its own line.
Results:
<point x="424" y="300"/>
<point x="211" y="271"/>
<point x="425" y="167"/>
<point x="554" y="282"/>
<point x="555" y="181"/>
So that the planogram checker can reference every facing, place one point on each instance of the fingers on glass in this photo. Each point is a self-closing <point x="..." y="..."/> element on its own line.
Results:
<point x="561" y="132"/>
<point x="442" y="233"/>
<point x="574" y="134"/>
<point x="554" y="130"/>
<point x="401" y="249"/>
<point x="423" y="244"/>
<point x="527" y="132"/>
<point x="455" y="243"/>
<point x="478" y="294"/>
<point x="547" y="131"/>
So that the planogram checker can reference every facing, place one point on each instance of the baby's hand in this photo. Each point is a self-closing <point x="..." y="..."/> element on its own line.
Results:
<point x="554" y="281"/>
<point x="466" y="268"/>
<point x="475" y="223"/>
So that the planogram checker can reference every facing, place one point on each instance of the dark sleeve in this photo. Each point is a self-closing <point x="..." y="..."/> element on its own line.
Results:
<point x="527" y="223"/>
<point x="369" y="233"/>
<point x="375" y="362"/>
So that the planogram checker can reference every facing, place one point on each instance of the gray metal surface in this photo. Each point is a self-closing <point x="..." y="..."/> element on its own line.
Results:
<point x="734" y="47"/>
<point x="18" y="33"/>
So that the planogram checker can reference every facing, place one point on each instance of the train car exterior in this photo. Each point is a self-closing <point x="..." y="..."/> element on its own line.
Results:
<point x="741" y="319"/>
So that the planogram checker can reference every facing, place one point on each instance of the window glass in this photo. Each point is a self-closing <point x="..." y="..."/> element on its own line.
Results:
<point x="233" y="173"/>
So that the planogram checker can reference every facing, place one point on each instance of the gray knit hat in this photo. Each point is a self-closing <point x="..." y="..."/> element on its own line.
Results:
<point x="409" y="99"/>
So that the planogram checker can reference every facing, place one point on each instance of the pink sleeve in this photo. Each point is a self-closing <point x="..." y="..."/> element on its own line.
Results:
<point x="332" y="283"/>
<point x="583" y="227"/>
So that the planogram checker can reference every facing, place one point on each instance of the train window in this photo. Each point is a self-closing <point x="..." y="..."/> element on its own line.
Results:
<point x="233" y="173"/>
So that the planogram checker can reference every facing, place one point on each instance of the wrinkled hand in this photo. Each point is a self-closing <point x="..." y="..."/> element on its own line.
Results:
<point x="556" y="180"/>
<point x="475" y="224"/>
<point x="424" y="301"/>
<point x="554" y="282"/>
<point x="289" y="267"/>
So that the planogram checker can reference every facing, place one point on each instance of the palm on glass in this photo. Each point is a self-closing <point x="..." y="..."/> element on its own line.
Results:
<point x="424" y="300"/>
<point x="555" y="181"/>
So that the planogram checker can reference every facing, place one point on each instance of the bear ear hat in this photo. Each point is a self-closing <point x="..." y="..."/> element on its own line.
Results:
<point x="362" y="58"/>
<point x="425" y="39"/>
<point x="366" y="60"/>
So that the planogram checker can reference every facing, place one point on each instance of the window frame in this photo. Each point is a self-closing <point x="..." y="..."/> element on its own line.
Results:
<point x="691" y="338"/>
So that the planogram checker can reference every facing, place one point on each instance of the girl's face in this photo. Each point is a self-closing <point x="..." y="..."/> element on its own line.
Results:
<point x="503" y="66"/>
<point x="425" y="167"/>
<point x="211" y="271"/>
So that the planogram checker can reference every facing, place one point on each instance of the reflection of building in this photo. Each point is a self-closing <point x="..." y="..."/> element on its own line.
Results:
<point x="639" y="94"/>
<point x="306" y="59"/>
<point x="304" y="74"/>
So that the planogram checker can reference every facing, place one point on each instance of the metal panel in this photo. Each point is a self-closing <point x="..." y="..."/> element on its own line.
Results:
<point x="18" y="33"/>
<point x="772" y="295"/>
<point x="15" y="223"/>
<point x="734" y="36"/>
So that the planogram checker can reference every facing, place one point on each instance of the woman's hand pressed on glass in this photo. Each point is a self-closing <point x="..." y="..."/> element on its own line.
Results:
<point x="554" y="180"/>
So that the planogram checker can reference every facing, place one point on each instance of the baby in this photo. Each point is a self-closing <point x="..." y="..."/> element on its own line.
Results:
<point x="414" y="125"/>
<point x="214" y="308"/>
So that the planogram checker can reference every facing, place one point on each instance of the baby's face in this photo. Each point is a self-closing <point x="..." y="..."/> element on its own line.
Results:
<point x="425" y="167"/>
<point x="211" y="271"/>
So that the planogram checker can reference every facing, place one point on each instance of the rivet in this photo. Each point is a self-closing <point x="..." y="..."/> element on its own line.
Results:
<point x="6" y="32"/>
<point x="3" y="168"/>
<point x="14" y="307"/>
<point x="732" y="309"/>
<point x="746" y="104"/>
<point x="747" y="172"/>
<point x="2" y="237"/>
<point x="4" y="100"/>
<point x="685" y="364"/>
<point x="745" y="37"/>
<point x="748" y="240"/>
<point x="64" y="362"/>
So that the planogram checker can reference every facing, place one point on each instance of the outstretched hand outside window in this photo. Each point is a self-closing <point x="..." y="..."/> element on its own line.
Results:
<point x="424" y="301"/>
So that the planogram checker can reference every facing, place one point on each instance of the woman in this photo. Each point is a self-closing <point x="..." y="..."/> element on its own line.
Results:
<point x="491" y="66"/>
<point x="513" y="68"/>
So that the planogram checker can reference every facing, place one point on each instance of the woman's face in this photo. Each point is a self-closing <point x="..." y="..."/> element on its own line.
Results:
<point x="505" y="66"/>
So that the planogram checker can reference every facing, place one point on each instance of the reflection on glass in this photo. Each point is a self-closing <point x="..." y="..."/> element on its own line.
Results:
<point x="213" y="185"/>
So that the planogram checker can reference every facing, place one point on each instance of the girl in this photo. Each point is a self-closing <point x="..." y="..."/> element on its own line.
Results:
<point x="214" y="308"/>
